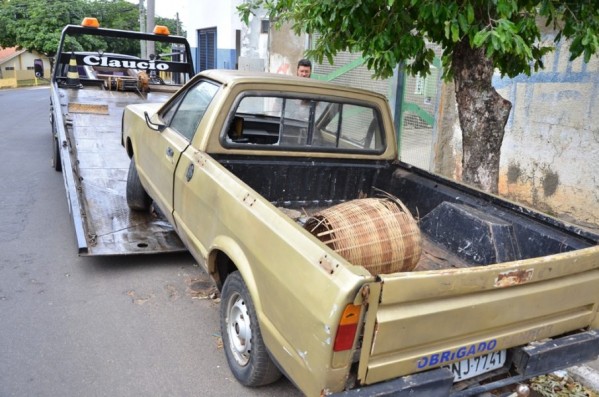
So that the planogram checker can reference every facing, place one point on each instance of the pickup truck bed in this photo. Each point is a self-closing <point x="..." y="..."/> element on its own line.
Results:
<point x="497" y="230"/>
<point x="464" y="232"/>
<point x="95" y="169"/>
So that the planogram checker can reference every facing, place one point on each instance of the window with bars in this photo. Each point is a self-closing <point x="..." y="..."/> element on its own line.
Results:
<point x="206" y="49"/>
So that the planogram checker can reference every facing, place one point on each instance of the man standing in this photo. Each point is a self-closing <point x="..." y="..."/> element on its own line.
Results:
<point x="304" y="68"/>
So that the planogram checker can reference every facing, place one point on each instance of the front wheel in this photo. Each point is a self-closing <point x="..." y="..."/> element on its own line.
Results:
<point x="246" y="353"/>
<point x="137" y="197"/>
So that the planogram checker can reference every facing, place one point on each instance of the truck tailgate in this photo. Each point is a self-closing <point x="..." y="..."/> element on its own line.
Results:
<point x="422" y="320"/>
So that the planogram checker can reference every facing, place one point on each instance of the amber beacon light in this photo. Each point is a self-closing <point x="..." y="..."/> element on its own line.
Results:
<point x="161" y="30"/>
<point x="90" y="22"/>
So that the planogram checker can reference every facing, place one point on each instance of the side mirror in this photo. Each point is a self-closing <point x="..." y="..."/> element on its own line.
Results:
<point x="154" y="126"/>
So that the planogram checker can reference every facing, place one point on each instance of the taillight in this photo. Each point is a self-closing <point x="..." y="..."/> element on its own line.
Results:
<point x="348" y="325"/>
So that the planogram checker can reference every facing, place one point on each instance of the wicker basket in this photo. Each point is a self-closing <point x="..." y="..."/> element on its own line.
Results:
<point x="379" y="234"/>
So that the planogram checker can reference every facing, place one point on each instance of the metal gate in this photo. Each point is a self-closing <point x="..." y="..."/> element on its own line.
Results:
<point x="413" y="101"/>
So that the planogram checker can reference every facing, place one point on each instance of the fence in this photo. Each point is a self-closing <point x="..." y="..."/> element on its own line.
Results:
<point x="20" y="78"/>
<point x="413" y="99"/>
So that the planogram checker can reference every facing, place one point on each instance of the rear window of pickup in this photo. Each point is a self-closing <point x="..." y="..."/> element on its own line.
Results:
<point x="289" y="123"/>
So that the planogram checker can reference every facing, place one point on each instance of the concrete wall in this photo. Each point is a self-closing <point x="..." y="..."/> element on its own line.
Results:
<point x="254" y="43"/>
<point x="550" y="151"/>
<point x="286" y="49"/>
<point x="550" y="154"/>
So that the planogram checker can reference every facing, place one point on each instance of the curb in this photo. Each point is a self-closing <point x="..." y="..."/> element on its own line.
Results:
<point x="586" y="375"/>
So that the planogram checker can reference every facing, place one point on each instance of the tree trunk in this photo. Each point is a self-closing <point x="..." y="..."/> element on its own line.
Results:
<point x="483" y="114"/>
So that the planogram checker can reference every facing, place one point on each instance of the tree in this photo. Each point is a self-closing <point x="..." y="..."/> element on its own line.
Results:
<point x="476" y="36"/>
<point x="37" y="24"/>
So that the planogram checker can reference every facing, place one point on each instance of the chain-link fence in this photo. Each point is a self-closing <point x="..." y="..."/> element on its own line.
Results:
<point x="415" y="106"/>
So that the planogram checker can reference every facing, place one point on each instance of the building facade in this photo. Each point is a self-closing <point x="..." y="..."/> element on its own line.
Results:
<point x="20" y="65"/>
<point x="551" y="144"/>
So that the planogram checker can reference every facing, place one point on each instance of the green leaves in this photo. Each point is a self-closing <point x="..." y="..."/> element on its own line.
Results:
<point x="470" y="13"/>
<point x="36" y="24"/>
<point x="387" y="32"/>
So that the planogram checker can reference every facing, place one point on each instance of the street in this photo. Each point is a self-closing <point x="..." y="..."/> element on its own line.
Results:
<point x="93" y="326"/>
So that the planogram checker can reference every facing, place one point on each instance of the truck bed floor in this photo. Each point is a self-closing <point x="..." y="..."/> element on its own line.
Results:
<point x="100" y="167"/>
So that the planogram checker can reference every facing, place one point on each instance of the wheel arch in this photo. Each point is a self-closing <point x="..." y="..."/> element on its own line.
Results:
<point x="227" y="256"/>
<point x="126" y="141"/>
<point x="128" y="147"/>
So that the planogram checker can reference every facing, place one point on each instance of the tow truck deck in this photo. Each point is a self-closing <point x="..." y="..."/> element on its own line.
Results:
<point x="86" y="118"/>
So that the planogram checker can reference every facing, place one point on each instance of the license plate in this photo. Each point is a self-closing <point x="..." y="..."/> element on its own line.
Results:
<point x="475" y="366"/>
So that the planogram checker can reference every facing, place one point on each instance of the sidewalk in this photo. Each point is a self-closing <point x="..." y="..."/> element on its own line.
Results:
<point x="588" y="375"/>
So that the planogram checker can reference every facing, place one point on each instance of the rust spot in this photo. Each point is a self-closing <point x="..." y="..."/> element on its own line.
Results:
<point x="365" y="292"/>
<point x="514" y="277"/>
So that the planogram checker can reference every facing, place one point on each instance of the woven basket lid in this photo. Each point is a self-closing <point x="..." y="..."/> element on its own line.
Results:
<point x="377" y="233"/>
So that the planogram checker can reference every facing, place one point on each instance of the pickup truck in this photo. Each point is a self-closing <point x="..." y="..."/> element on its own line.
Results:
<point x="241" y="163"/>
<point x="96" y="73"/>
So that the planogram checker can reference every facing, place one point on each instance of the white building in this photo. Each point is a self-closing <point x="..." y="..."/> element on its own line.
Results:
<point x="220" y="40"/>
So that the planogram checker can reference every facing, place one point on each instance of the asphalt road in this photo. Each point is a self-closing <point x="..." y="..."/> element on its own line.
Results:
<point x="92" y="326"/>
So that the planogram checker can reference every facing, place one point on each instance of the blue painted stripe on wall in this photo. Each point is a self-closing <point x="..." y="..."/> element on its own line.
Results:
<point x="226" y="58"/>
<point x="547" y="77"/>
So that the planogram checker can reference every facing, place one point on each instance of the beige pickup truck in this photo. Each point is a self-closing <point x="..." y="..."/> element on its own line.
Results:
<point x="488" y="293"/>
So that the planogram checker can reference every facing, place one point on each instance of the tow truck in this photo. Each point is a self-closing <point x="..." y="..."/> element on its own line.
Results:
<point x="96" y="73"/>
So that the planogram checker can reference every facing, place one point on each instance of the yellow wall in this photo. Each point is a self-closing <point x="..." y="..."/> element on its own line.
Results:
<point x="20" y="63"/>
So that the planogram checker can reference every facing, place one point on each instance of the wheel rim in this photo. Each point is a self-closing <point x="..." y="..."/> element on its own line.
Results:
<point x="239" y="330"/>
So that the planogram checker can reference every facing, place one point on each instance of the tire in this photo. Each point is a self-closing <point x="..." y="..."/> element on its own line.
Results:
<point x="137" y="197"/>
<point x="56" y="162"/>
<point x="246" y="353"/>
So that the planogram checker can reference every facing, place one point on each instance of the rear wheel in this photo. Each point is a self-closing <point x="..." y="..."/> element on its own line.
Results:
<point x="137" y="197"/>
<point x="56" y="164"/>
<point x="246" y="353"/>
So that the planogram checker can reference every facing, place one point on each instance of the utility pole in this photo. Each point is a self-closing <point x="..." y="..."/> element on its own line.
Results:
<point x="150" y="26"/>
<point x="142" y="28"/>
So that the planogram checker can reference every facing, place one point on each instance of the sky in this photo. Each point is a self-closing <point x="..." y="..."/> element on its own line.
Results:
<point x="167" y="8"/>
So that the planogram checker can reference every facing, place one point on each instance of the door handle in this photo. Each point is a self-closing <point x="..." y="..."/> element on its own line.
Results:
<point x="170" y="152"/>
<point x="189" y="172"/>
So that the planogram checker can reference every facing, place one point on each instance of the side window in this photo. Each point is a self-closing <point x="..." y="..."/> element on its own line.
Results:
<point x="167" y="116"/>
<point x="185" y="113"/>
